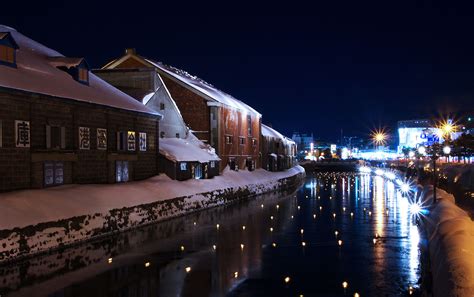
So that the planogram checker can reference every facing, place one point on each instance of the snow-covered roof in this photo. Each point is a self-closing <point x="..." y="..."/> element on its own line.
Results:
<point x="189" y="149"/>
<point x="270" y="132"/>
<point x="203" y="87"/>
<point x="37" y="72"/>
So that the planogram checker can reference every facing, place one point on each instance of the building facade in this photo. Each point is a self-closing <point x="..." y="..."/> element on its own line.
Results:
<point x="278" y="151"/>
<point x="60" y="124"/>
<point x="230" y="126"/>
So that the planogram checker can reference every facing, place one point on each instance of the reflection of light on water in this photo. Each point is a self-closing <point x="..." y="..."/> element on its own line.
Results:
<point x="414" y="259"/>
<point x="379" y="197"/>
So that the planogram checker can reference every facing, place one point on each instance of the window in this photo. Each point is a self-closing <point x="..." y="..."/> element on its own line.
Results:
<point x="84" y="138"/>
<point x="277" y="144"/>
<point x="249" y="125"/>
<point x="55" y="137"/>
<point x="121" y="141"/>
<point x="142" y="141"/>
<point x="183" y="166"/>
<point x="83" y="75"/>
<point x="254" y="142"/>
<point x="131" y="141"/>
<point x="198" y="171"/>
<point x="7" y="54"/>
<point x="162" y="134"/>
<point x="53" y="173"/>
<point x="177" y="135"/>
<point x="22" y="133"/>
<point x="212" y="164"/>
<point x="162" y="106"/>
<point x="121" y="171"/>
<point x="241" y="140"/>
<point x="101" y="139"/>
<point x="228" y="139"/>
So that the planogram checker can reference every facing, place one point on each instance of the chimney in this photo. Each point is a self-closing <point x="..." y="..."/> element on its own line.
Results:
<point x="130" y="51"/>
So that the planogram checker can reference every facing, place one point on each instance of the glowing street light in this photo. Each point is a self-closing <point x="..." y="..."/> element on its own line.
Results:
<point x="422" y="150"/>
<point x="447" y="150"/>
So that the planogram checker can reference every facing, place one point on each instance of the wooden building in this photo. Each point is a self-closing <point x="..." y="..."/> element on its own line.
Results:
<point x="216" y="118"/>
<point x="61" y="124"/>
<point x="278" y="151"/>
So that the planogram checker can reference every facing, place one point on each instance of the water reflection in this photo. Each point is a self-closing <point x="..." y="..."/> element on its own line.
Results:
<point x="319" y="238"/>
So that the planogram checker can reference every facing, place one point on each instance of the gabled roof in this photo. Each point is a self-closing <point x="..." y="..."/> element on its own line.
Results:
<point x="67" y="62"/>
<point x="37" y="72"/>
<point x="195" y="84"/>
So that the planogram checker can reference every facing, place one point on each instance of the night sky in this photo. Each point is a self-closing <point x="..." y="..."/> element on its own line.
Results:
<point x="344" y="67"/>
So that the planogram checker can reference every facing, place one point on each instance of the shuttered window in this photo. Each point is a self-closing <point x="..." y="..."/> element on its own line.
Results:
<point x="83" y="75"/>
<point x="7" y="54"/>
<point x="55" y="137"/>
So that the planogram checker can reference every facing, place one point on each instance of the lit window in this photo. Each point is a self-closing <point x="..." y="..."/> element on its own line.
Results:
<point x="53" y="173"/>
<point x="183" y="166"/>
<point x="254" y="142"/>
<point x="212" y="164"/>
<point x="228" y="139"/>
<point x="121" y="171"/>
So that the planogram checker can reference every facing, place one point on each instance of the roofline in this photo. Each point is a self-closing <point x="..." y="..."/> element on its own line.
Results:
<point x="154" y="114"/>
<point x="145" y="61"/>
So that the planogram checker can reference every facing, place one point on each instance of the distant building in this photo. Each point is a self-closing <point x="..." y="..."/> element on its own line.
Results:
<point x="60" y="124"/>
<point x="414" y="133"/>
<point x="303" y="140"/>
<point x="216" y="118"/>
<point x="278" y="151"/>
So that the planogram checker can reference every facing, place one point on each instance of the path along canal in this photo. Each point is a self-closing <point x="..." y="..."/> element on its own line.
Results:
<point x="339" y="234"/>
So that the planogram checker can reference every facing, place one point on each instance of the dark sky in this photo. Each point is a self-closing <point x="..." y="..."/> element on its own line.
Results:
<point x="321" y="69"/>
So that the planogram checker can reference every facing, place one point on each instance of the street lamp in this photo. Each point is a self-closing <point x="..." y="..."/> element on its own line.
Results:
<point x="447" y="150"/>
<point x="379" y="137"/>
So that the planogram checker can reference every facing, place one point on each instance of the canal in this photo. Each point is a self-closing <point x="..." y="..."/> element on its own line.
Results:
<point x="339" y="234"/>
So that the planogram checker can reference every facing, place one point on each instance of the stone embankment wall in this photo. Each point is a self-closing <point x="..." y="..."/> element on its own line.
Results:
<point x="22" y="242"/>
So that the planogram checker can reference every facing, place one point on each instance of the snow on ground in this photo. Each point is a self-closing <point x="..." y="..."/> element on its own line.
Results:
<point x="450" y="234"/>
<point x="30" y="207"/>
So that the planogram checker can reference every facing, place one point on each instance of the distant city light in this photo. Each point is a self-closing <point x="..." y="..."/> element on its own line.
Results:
<point x="447" y="150"/>
<point x="422" y="150"/>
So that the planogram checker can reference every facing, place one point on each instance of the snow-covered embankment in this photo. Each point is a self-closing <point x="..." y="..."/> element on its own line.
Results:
<point x="450" y="233"/>
<point x="33" y="221"/>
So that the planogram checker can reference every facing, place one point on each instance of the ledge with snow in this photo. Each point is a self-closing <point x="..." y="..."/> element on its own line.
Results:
<point x="34" y="221"/>
<point x="450" y="233"/>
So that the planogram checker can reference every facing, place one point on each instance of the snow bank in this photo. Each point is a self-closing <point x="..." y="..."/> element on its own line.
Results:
<point x="36" y="220"/>
<point x="450" y="234"/>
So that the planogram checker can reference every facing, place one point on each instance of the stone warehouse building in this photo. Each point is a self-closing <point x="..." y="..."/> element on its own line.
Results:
<point x="216" y="118"/>
<point x="278" y="151"/>
<point x="61" y="124"/>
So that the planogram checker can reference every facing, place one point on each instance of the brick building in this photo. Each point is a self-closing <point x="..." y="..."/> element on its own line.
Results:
<point x="278" y="151"/>
<point x="61" y="124"/>
<point x="182" y="155"/>
<point x="227" y="124"/>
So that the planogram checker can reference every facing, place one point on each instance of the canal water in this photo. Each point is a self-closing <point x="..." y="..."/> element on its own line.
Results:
<point x="339" y="234"/>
